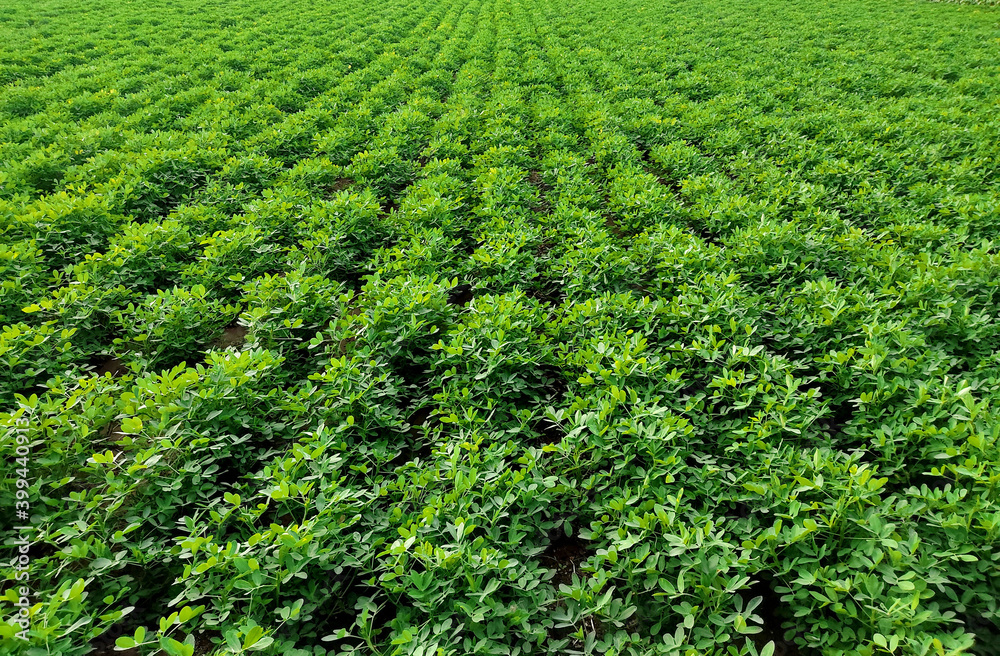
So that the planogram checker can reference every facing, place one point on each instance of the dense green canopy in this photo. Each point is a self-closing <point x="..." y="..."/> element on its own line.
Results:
<point x="485" y="327"/>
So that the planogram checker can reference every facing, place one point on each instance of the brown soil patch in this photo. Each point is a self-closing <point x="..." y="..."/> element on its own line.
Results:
<point x="111" y="430"/>
<point x="535" y="180"/>
<point x="566" y="556"/>
<point x="112" y="366"/>
<point x="341" y="184"/>
<point x="345" y="344"/>
<point x="543" y="248"/>
<point x="770" y="611"/>
<point x="612" y="225"/>
<point x="548" y="433"/>
<point x="461" y="295"/>
<point x="231" y="337"/>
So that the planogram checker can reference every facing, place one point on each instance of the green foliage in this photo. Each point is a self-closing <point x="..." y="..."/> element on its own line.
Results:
<point x="474" y="327"/>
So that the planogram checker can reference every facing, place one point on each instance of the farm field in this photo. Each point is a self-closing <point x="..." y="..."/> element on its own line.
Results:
<point x="418" y="328"/>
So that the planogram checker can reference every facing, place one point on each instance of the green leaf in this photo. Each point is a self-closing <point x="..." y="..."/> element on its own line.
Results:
<point x="131" y="425"/>
<point x="125" y="642"/>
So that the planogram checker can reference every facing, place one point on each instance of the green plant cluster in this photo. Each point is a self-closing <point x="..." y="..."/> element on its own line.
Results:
<point x="480" y="327"/>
